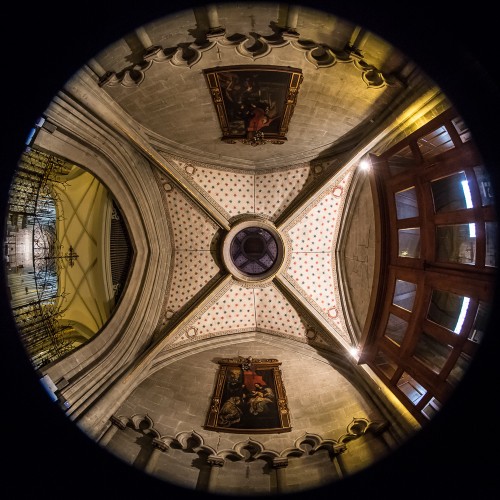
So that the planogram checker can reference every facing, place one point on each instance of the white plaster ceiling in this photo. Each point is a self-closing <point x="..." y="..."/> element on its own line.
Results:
<point x="310" y="235"/>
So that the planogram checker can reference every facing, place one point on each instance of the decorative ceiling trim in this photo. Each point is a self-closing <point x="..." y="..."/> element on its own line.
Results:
<point x="171" y="173"/>
<point x="299" y="211"/>
<point x="188" y="164"/>
<point x="188" y="169"/>
<point x="304" y="303"/>
<point x="344" y="295"/>
<point x="306" y="444"/>
<point x="171" y="331"/>
<point x="314" y="338"/>
<point x="252" y="46"/>
<point x="197" y="313"/>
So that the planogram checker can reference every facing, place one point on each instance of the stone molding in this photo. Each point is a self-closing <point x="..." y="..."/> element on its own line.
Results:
<point x="252" y="46"/>
<point x="251" y="449"/>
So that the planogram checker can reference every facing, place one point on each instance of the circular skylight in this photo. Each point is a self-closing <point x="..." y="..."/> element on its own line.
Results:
<point x="253" y="250"/>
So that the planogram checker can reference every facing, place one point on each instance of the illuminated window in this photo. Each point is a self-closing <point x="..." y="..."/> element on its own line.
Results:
<point x="431" y="353"/>
<point x="435" y="143"/>
<point x="402" y="161"/>
<point x="411" y="388"/>
<point x="33" y="133"/>
<point x="406" y="203"/>
<point x="462" y="129"/>
<point x="485" y="186"/>
<point x="491" y="244"/>
<point x="456" y="243"/>
<point x="385" y="364"/>
<point x="448" y="310"/>
<point x="458" y="371"/>
<point x="431" y="408"/>
<point x="409" y="242"/>
<point x="451" y="193"/>
<point x="396" y="329"/>
<point x="480" y="322"/>
<point x="404" y="294"/>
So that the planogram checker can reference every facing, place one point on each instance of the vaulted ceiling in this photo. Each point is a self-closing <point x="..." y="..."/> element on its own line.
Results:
<point x="153" y="77"/>
<point x="352" y="84"/>
<point x="155" y="74"/>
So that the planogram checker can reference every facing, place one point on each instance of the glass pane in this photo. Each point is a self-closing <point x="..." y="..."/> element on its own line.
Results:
<point x="485" y="186"/>
<point x="451" y="193"/>
<point x="448" y="309"/>
<point x="409" y="242"/>
<point x="385" y="364"/>
<point x="406" y="203"/>
<point x="431" y="353"/>
<point x="458" y="371"/>
<point x="480" y="322"/>
<point x="431" y="408"/>
<point x="396" y="329"/>
<point x="435" y="143"/>
<point x="411" y="388"/>
<point x="456" y="243"/>
<point x="491" y="244"/>
<point x="462" y="129"/>
<point x="404" y="294"/>
<point x="403" y="160"/>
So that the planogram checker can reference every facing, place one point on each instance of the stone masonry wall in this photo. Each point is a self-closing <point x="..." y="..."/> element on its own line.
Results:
<point x="177" y="399"/>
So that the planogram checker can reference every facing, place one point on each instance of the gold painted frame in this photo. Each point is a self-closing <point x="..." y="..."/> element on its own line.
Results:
<point x="253" y="102"/>
<point x="249" y="397"/>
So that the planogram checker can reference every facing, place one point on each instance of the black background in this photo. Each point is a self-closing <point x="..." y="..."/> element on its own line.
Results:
<point x="44" y="454"/>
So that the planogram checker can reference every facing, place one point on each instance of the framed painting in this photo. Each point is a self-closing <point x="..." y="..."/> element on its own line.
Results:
<point x="249" y="397"/>
<point x="253" y="102"/>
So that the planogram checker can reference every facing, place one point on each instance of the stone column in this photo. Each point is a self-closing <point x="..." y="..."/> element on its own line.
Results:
<point x="96" y="68"/>
<point x="280" y="465"/>
<point x="381" y="431"/>
<point x="292" y="17"/>
<point x="215" y="464"/>
<point x="214" y="27"/>
<point x="116" y="424"/>
<point x="338" y="461"/>
<point x="158" y="447"/>
<point x="143" y="37"/>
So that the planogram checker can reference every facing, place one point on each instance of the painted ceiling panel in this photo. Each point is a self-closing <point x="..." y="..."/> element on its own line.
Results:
<point x="312" y="275"/>
<point x="313" y="233"/>
<point x="314" y="230"/>
<point x="233" y="311"/>
<point x="192" y="229"/>
<point x="310" y="270"/>
<point x="192" y="271"/>
<point x="275" y="314"/>
<point x="237" y="192"/>
<point x="231" y="191"/>
<point x="274" y="191"/>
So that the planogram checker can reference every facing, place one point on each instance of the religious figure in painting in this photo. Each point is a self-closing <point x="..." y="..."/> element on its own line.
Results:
<point x="249" y="104"/>
<point x="230" y="413"/>
<point x="259" y="399"/>
<point x="249" y="397"/>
